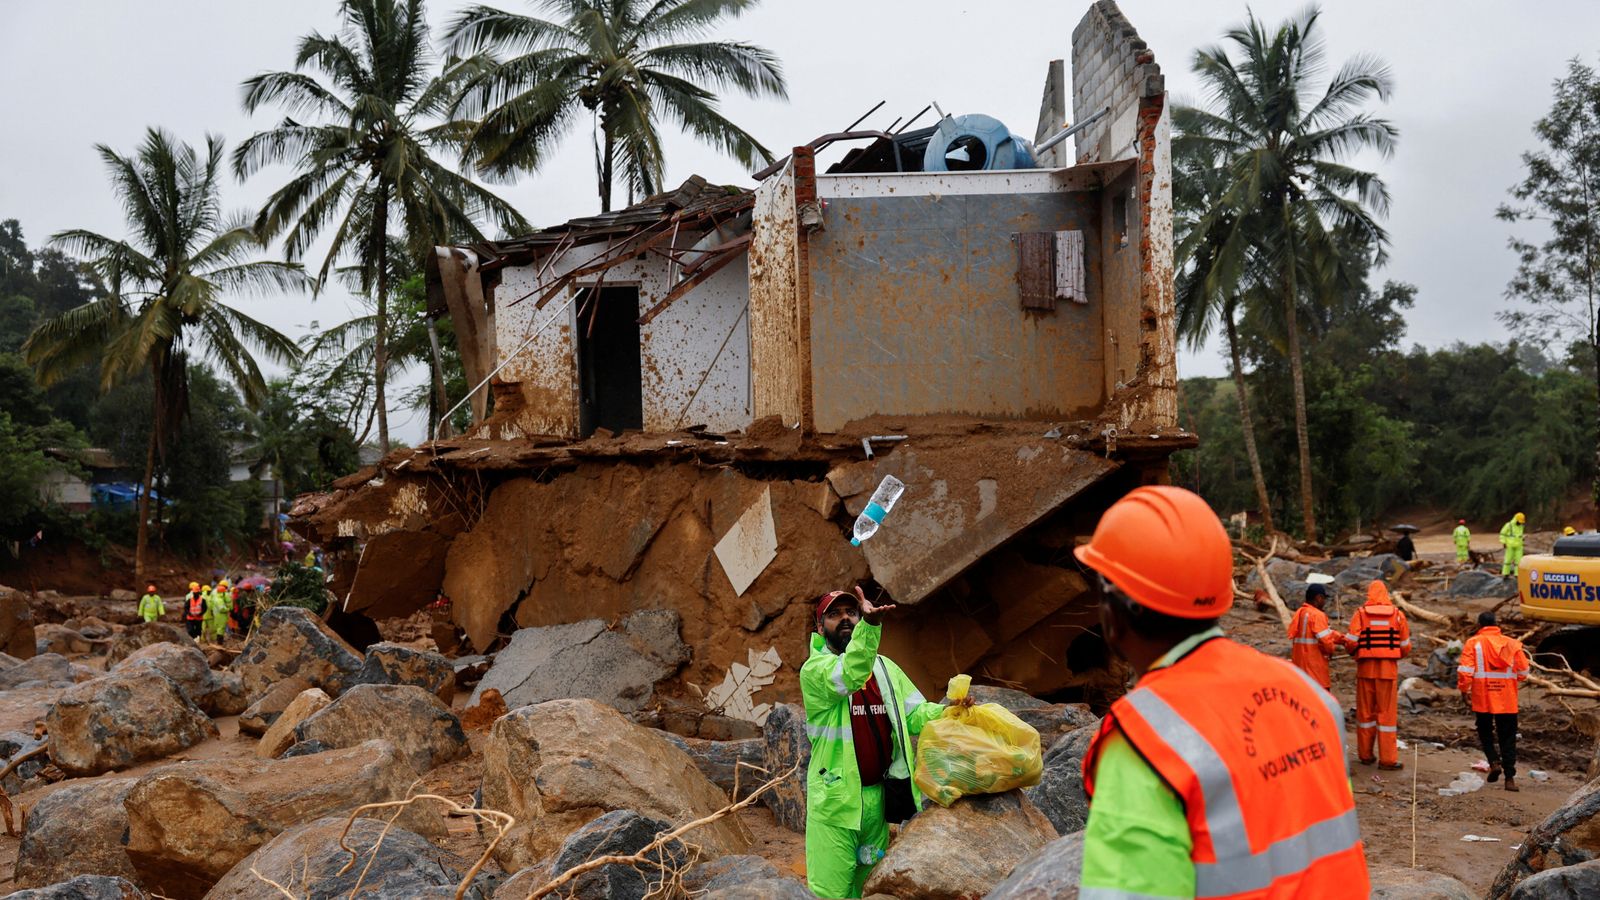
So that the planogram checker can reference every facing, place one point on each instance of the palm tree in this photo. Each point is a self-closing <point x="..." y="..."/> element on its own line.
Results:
<point x="621" y="60"/>
<point x="371" y="160"/>
<point x="163" y="306"/>
<point x="1209" y="289"/>
<point x="1288" y="185"/>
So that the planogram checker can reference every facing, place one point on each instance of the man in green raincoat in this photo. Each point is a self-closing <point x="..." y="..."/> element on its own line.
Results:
<point x="1463" y="539"/>
<point x="218" y="605"/>
<point x="150" y="606"/>
<point x="1511" y="539"/>
<point x="861" y="711"/>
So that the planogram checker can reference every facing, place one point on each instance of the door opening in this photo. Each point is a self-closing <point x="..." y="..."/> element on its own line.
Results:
<point x="611" y="393"/>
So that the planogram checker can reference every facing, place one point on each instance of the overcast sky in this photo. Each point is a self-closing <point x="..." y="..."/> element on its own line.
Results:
<point x="1472" y="76"/>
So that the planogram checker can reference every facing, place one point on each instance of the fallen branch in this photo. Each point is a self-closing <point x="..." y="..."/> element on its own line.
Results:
<point x="1556" y="690"/>
<point x="1266" y="581"/>
<point x="1566" y="670"/>
<point x="1418" y="612"/>
<point x="502" y="822"/>
<point x="6" y="809"/>
<point x="642" y="857"/>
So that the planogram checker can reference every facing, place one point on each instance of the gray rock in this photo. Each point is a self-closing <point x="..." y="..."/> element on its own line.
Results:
<point x="1355" y="573"/>
<point x="585" y="660"/>
<point x="123" y="718"/>
<point x="260" y="714"/>
<point x="719" y="760"/>
<point x="85" y="887"/>
<point x="1441" y="668"/>
<point x="388" y="663"/>
<point x="1059" y="793"/>
<point x="1050" y="874"/>
<point x="1282" y="572"/>
<point x="289" y="642"/>
<point x="1010" y="699"/>
<point x="227" y="695"/>
<point x="185" y="665"/>
<point x="420" y="727"/>
<point x="48" y="669"/>
<point x="1567" y="837"/>
<point x="52" y="638"/>
<point x="1400" y="883"/>
<point x="12" y="745"/>
<point x="304" y="748"/>
<point x="962" y="851"/>
<point x="1581" y="880"/>
<point x="787" y="745"/>
<point x="76" y="830"/>
<point x="1478" y="583"/>
<point x="618" y="832"/>
<point x="307" y="860"/>
<point x="144" y="634"/>
<point x="1057" y="720"/>
<point x="727" y="870"/>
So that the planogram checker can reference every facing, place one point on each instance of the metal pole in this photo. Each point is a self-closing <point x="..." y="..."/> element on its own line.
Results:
<point x="1069" y="132"/>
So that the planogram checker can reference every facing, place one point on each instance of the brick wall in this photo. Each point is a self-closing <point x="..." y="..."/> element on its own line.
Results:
<point x="1111" y="67"/>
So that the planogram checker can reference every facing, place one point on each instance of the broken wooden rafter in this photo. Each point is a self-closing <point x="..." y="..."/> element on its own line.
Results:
<point x="690" y="283"/>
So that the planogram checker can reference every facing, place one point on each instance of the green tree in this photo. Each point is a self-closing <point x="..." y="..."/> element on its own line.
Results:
<point x="1289" y="187"/>
<point x="629" y="63"/>
<point x="369" y="169"/>
<point x="163" y="307"/>
<point x="1559" y="279"/>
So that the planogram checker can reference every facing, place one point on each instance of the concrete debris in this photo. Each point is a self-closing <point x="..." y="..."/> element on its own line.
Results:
<point x="423" y="730"/>
<point x="280" y="735"/>
<point x="1050" y="874"/>
<point x="399" y="572"/>
<point x="750" y="545"/>
<point x="122" y="718"/>
<point x="962" y="851"/>
<point x="585" y="659"/>
<point x="559" y="765"/>
<point x="307" y="859"/>
<point x="77" y="830"/>
<point x="733" y="697"/>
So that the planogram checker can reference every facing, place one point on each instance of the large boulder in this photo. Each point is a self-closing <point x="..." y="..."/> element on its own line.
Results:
<point x="587" y="659"/>
<point x="424" y="730"/>
<point x="787" y="747"/>
<point x="45" y="670"/>
<point x="1356" y="572"/>
<point x="135" y="637"/>
<point x="1059" y="793"/>
<point x="1476" y="583"/>
<point x="76" y="830"/>
<point x="1566" y="837"/>
<point x="190" y="822"/>
<point x="559" y="765"/>
<point x="742" y="878"/>
<point x="123" y="718"/>
<point x="85" y="887"/>
<point x="281" y="736"/>
<point x="185" y="665"/>
<point x="1401" y="883"/>
<point x="14" y="744"/>
<point x="388" y="663"/>
<point x="1050" y="874"/>
<point x="962" y="851"/>
<point x="1057" y="720"/>
<point x="259" y="715"/>
<point x="619" y="832"/>
<point x="307" y="861"/>
<point x="1581" y="880"/>
<point x="290" y="641"/>
<point x="720" y="760"/>
<point x="227" y="695"/>
<point x="16" y="625"/>
<point x="52" y="638"/>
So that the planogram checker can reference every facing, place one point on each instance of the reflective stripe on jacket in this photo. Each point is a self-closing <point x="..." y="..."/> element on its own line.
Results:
<point x="1312" y="641"/>
<point x="196" y="607"/>
<point x="151" y="608"/>
<point x="1379" y="630"/>
<point x="1490" y="667"/>
<point x="1511" y="534"/>
<point x="1462" y="535"/>
<point x="1234" y="732"/>
<point x="833" y="782"/>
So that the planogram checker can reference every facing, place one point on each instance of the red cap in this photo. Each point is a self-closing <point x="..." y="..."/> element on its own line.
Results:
<point x="1461" y="521"/>
<point x="827" y="601"/>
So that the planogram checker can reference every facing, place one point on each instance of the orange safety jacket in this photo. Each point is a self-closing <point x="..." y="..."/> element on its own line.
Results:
<point x="1312" y="641"/>
<point x="197" y="607"/>
<point x="1379" y="635"/>
<point x="1490" y="667"/>
<point x="1234" y="732"/>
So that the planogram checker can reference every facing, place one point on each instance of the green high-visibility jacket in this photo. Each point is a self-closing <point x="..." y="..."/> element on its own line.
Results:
<point x="218" y="604"/>
<point x="833" y="782"/>
<point x="1462" y="536"/>
<point x="1511" y="534"/>
<point x="151" y="608"/>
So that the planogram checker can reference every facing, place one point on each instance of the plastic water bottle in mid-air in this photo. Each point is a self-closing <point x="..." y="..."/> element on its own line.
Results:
<point x="889" y="490"/>
<point x="868" y="855"/>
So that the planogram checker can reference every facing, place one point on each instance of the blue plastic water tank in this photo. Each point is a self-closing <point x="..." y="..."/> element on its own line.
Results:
<point x="972" y="142"/>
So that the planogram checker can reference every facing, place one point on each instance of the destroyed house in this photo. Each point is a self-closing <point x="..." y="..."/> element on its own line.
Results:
<point x="694" y="396"/>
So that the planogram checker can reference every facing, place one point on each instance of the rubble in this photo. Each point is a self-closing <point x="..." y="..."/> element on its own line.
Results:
<point x="1050" y="874"/>
<point x="190" y="822"/>
<point x="280" y="735"/>
<point x="14" y="744"/>
<point x="290" y="641"/>
<point x="77" y="830"/>
<point x="307" y="859"/>
<point x="123" y="718"/>
<point x="618" y="667"/>
<point x="962" y="851"/>
<point x="218" y="693"/>
<point x="559" y="765"/>
<point x="720" y="760"/>
<point x="424" y="731"/>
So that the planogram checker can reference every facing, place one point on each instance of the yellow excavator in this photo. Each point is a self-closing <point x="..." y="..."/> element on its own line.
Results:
<point x="1563" y="587"/>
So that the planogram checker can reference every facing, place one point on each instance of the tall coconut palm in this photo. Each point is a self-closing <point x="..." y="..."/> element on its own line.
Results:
<point x="163" y="308"/>
<point x="1289" y="182"/>
<point x="368" y="169"/>
<point x="629" y="63"/>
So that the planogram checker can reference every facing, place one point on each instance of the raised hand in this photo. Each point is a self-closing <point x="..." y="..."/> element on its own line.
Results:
<point x="871" y="613"/>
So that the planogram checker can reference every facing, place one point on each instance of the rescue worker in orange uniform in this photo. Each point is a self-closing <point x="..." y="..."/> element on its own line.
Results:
<point x="1379" y="638"/>
<point x="1312" y="639"/>
<point x="1491" y="666"/>
<point x="1190" y="771"/>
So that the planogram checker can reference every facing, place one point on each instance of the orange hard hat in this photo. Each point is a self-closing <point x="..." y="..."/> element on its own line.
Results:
<point x="150" y="589"/>
<point x="1378" y="592"/>
<point x="1164" y="547"/>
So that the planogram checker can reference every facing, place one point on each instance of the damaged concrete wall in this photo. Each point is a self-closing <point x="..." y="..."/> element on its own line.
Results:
<point x="778" y="382"/>
<point x="898" y="252"/>
<point x="545" y="370"/>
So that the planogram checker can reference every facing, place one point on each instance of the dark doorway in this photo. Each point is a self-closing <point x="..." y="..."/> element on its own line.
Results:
<point x="611" y="395"/>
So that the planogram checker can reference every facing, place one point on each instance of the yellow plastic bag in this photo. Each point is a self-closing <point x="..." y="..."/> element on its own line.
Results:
<point x="981" y="749"/>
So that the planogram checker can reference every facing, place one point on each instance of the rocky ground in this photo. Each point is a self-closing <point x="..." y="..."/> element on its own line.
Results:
<point x="147" y="767"/>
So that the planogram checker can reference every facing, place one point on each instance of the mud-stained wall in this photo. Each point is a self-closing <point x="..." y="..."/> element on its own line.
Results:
<point x="1119" y="254"/>
<point x="915" y="306"/>
<point x="777" y="382"/>
<point x="694" y="356"/>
